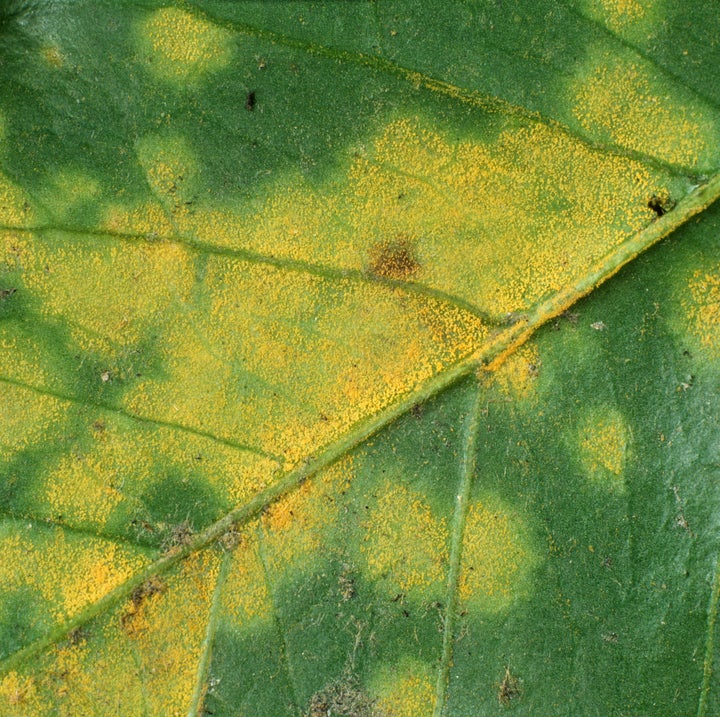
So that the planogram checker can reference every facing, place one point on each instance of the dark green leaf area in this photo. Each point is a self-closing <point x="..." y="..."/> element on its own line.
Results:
<point x="619" y="462"/>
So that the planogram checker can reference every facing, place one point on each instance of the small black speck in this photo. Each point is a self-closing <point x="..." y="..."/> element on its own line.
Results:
<point x="250" y="101"/>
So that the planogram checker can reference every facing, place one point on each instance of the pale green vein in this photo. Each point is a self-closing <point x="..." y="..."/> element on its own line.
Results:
<point x="501" y="344"/>
<point x="418" y="79"/>
<point x="456" y="541"/>
<point x="256" y="258"/>
<point x="41" y="391"/>
<point x="203" y="668"/>
<point x="284" y="649"/>
<point x="710" y="641"/>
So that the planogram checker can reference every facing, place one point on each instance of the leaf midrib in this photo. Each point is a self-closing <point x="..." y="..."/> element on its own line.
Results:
<point x="488" y="357"/>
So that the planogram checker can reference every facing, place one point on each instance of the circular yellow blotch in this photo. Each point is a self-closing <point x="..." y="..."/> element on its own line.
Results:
<point x="701" y="306"/>
<point x="182" y="47"/>
<point x="52" y="56"/>
<point x="632" y="19"/>
<point x="604" y="443"/>
<point x="517" y="376"/>
<point x="19" y="696"/>
<point x="68" y="189"/>
<point x="405" y="544"/>
<point x="14" y="205"/>
<point x="406" y="689"/>
<point x="622" y="99"/>
<point x="497" y="557"/>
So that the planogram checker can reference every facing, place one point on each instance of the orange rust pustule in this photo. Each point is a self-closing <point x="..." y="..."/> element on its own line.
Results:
<point x="394" y="260"/>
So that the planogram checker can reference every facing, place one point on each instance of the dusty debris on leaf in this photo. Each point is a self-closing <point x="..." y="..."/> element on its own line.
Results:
<point x="394" y="260"/>
<point x="178" y="537"/>
<point x="509" y="688"/>
<point x="343" y="698"/>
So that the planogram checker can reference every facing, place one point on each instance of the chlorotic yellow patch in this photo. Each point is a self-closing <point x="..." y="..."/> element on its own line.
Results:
<point x="70" y="573"/>
<point x="15" y="209"/>
<point x="517" y="375"/>
<point x="632" y="19"/>
<point x="300" y="524"/>
<point x="701" y="306"/>
<point x="109" y="296"/>
<point x="406" y="689"/>
<point x="171" y="170"/>
<point x="141" y="658"/>
<point x="603" y="440"/>
<point x="620" y="98"/>
<point x="497" y="557"/>
<point x="289" y="360"/>
<point x="405" y="545"/>
<point x="180" y="46"/>
<point x="27" y="419"/>
<point x="245" y="595"/>
<point x="19" y="697"/>
<point x="478" y="219"/>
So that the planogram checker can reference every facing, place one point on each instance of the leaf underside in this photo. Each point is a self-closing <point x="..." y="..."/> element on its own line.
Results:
<point x="312" y="402"/>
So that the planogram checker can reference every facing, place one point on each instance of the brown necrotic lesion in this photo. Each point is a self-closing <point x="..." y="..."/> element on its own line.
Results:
<point x="395" y="259"/>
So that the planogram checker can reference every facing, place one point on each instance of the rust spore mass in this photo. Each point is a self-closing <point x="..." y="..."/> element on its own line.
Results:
<point x="394" y="260"/>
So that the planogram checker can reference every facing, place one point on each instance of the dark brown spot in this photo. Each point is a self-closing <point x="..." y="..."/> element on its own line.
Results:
<point x="394" y="260"/>
<point x="250" y="101"/>
<point x="6" y="293"/>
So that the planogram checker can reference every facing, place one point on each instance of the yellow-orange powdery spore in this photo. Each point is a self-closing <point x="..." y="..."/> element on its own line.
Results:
<point x="300" y="524"/>
<point x="702" y="309"/>
<point x="404" y="545"/>
<point x="69" y="573"/>
<point x="483" y="219"/>
<point x="182" y="47"/>
<point x="289" y="360"/>
<point x="19" y="696"/>
<point x="496" y="557"/>
<point x="517" y="375"/>
<point x="15" y="209"/>
<point x="622" y="99"/>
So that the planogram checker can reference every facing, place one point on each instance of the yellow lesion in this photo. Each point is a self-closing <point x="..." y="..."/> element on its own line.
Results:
<point x="701" y="305"/>
<point x="68" y="189"/>
<point x="297" y="527"/>
<point x="134" y="658"/>
<point x="484" y="217"/>
<point x="27" y="419"/>
<point x="109" y="296"/>
<point x="290" y="361"/>
<point x="497" y="557"/>
<point x="621" y="98"/>
<point x="406" y="689"/>
<point x="603" y="440"/>
<point x="19" y="696"/>
<point x="53" y="56"/>
<point x="180" y="46"/>
<point x="404" y="546"/>
<point x="69" y="573"/>
<point x="148" y="219"/>
<point x="517" y="375"/>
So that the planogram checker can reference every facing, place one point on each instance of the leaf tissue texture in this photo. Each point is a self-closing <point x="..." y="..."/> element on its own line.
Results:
<point x="311" y="400"/>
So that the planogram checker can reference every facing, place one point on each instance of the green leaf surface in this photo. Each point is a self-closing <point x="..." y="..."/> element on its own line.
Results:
<point x="312" y="400"/>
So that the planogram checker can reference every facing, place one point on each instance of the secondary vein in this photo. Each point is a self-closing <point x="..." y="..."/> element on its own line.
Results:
<point x="456" y="541"/>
